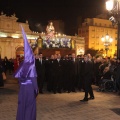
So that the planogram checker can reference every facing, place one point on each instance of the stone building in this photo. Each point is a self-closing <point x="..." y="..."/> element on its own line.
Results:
<point x="79" y="45"/>
<point x="93" y="29"/>
<point x="11" y="40"/>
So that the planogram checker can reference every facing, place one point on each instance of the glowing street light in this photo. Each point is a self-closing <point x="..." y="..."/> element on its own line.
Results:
<point x="113" y="6"/>
<point x="107" y="40"/>
<point x="109" y="5"/>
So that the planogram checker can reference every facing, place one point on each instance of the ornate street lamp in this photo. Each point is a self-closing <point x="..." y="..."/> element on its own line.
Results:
<point x="113" y="6"/>
<point x="81" y="51"/>
<point x="107" y="40"/>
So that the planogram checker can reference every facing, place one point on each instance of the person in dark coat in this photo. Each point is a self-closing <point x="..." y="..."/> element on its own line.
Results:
<point x="104" y="77"/>
<point x="97" y="71"/>
<point x="58" y="71"/>
<point x="73" y="71"/>
<point x="65" y="73"/>
<point x="51" y="74"/>
<point x="40" y="68"/>
<point x="27" y="76"/>
<point x="81" y="76"/>
<point x="1" y="76"/>
<point x="87" y="76"/>
<point x="5" y="64"/>
<point x="117" y="78"/>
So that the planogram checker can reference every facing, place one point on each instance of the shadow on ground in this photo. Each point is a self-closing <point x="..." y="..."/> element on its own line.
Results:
<point x="116" y="110"/>
<point x="7" y="91"/>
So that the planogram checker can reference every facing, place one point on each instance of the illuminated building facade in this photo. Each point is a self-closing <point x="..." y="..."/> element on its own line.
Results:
<point x="79" y="45"/>
<point x="93" y="29"/>
<point x="11" y="40"/>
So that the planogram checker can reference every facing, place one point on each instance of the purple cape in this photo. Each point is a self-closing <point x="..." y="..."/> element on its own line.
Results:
<point x="27" y="75"/>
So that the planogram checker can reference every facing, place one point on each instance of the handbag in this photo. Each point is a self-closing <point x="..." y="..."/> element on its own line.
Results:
<point x="4" y="76"/>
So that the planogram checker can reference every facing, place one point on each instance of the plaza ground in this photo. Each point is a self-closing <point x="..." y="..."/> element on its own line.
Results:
<point x="65" y="106"/>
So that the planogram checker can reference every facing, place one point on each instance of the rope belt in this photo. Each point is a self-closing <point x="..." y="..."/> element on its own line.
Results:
<point x="26" y="82"/>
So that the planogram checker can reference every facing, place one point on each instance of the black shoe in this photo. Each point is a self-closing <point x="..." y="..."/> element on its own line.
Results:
<point x="73" y="91"/>
<point x="91" y="98"/>
<point x="98" y="90"/>
<point x="84" y="100"/>
<point x="41" y="92"/>
<point x="68" y="91"/>
<point x="59" y="91"/>
<point x="54" y="92"/>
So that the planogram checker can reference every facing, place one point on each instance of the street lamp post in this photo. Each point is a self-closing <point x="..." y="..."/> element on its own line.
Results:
<point x="113" y="6"/>
<point x="107" y="40"/>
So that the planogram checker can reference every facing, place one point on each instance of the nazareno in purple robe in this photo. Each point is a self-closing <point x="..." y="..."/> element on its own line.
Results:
<point x="28" y="91"/>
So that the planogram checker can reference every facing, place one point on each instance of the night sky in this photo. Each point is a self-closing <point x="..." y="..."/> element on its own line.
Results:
<point x="41" y="11"/>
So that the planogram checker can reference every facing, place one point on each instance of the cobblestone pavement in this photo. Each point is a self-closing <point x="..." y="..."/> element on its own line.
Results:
<point x="65" y="106"/>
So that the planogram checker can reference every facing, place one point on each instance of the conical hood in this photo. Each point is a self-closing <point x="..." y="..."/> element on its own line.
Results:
<point x="28" y="54"/>
<point x="27" y="67"/>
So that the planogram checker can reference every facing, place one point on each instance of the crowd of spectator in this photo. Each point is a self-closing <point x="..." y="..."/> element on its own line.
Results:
<point x="8" y="66"/>
<point x="59" y="74"/>
<point x="66" y="73"/>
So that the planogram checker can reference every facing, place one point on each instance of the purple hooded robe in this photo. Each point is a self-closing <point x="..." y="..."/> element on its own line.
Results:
<point x="27" y="75"/>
